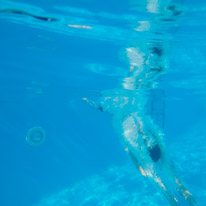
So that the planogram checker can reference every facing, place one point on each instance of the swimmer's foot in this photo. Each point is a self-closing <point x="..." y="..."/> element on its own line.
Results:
<point x="182" y="190"/>
<point x="191" y="200"/>
<point x="187" y="195"/>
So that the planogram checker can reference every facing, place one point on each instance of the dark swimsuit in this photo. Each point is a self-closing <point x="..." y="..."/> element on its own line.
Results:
<point x="155" y="153"/>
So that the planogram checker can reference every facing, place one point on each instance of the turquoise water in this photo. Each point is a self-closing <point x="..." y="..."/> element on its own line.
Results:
<point x="55" y="55"/>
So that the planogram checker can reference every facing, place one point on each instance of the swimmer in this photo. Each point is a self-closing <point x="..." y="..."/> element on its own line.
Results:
<point x="144" y="144"/>
<point x="141" y="138"/>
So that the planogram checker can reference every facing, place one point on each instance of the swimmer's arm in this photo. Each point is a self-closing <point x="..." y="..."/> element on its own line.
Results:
<point x="93" y="104"/>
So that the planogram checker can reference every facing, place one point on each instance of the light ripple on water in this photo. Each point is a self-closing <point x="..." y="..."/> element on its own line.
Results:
<point x="115" y="28"/>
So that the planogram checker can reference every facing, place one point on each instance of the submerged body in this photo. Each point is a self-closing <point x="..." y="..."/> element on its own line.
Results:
<point x="142" y="139"/>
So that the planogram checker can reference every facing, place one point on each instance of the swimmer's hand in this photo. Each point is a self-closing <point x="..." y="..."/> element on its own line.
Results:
<point x="93" y="104"/>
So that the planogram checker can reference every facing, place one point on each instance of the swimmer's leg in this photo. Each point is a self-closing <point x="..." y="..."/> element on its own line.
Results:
<point x="158" y="183"/>
<point x="165" y="164"/>
<point x="154" y="179"/>
<point x="183" y="191"/>
<point x="169" y="168"/>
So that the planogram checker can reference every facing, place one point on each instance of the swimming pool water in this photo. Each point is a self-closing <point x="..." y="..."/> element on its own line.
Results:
<point x="53" y="54"/>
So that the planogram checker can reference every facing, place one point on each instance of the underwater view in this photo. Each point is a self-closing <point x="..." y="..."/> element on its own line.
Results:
<point x="103" y="103"/>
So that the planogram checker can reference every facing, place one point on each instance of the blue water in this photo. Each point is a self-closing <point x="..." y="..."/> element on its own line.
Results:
<point x="78" y="50"/>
